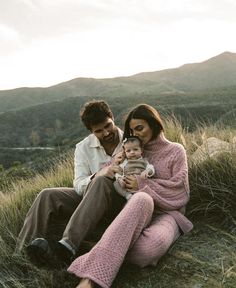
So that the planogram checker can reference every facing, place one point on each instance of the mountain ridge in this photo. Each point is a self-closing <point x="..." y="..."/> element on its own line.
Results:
<point x="218" y="71"/>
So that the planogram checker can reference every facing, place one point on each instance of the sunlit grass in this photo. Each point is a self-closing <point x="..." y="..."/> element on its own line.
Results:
<point x="203" y="258"/>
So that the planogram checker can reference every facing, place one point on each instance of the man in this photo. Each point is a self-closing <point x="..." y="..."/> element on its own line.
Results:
<point x="78" y="209"/>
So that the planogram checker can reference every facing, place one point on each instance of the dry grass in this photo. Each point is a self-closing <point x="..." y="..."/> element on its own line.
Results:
<point x="205" y="257"/>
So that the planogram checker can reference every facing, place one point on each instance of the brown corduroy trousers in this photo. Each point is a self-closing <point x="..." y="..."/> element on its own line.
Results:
<point x="62" y="213"/>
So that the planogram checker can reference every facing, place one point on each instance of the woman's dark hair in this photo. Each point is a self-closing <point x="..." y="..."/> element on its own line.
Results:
<point x="147" y="113"/>
<point x="132" y="139"/>
<point x="95" y="112"/>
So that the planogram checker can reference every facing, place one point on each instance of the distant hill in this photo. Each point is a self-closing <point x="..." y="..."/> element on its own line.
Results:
<point x="58" y="123"/>
<point x="219" y="71"/>
<point x="214" y="73"/>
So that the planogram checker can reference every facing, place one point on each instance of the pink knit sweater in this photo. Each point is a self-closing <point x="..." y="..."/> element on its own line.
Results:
<point x="150" y="221"/>
<point x="170" y="187"/>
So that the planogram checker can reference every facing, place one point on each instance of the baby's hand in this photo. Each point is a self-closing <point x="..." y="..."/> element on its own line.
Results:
<point x="144" y="174"/>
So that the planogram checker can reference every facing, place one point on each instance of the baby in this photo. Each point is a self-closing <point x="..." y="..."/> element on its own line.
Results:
<point x="133" y="164"/>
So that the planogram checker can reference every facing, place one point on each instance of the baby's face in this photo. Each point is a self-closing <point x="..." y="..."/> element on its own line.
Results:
<point x="132" y="150"/>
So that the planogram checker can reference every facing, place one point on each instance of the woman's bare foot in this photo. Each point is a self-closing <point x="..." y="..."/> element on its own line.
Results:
<point x="86" y="283"/>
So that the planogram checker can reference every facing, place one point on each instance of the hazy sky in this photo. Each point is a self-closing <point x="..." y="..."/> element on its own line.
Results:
<point x="44" y="42"/>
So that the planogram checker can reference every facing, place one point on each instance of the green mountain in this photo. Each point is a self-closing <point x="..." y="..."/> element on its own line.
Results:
<point x="58" y="123"/>
<point x="217" y="72"/>
<point x="50" y="116"/>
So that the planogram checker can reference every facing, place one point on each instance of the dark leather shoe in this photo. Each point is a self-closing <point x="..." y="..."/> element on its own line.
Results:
<point x="53" y="254"/>
<point x="39" y="252"/>
<point x="63" y="254"/>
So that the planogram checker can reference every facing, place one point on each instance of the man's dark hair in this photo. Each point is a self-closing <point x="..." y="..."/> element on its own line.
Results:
<point x="95" y="112"/>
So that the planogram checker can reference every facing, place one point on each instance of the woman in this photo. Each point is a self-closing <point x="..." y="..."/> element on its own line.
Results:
<point x="153" y="218"/>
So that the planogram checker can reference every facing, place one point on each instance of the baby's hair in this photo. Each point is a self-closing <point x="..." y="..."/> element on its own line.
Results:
<point x="132" y="139"/>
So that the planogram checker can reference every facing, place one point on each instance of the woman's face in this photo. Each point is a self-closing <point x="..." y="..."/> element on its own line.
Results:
<point x="141" y="129"/>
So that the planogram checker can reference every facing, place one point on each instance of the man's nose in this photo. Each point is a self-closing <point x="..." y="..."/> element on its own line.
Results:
<point x="106" y="132"/>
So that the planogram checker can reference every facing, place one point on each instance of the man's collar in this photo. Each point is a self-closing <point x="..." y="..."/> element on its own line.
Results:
<point x="94" y="142"/>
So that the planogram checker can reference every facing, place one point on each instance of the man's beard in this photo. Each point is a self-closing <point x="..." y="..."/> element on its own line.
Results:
<point x="109" y="138"/>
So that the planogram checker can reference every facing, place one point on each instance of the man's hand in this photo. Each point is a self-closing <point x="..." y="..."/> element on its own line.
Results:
<point x="109" y="171"/>
<point x="118" y="158"/>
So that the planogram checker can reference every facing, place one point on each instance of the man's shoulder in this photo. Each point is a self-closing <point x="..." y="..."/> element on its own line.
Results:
<point x="86" y="142"/>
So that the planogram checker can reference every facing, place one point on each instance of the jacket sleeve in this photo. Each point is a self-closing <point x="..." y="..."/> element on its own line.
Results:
<point x="173" y="193"/>
<point x="82" y="172"/>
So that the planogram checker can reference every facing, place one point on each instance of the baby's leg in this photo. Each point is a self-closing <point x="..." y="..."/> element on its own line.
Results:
<point x="122" y="191"/>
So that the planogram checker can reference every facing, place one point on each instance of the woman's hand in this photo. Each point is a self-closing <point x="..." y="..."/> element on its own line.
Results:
<point x="131" y="183"/>
<point x="121" y="182"/>
<point x="144" y="174"/>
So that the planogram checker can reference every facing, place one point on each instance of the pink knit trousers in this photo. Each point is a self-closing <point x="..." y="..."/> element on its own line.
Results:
<point x="131" y="230"/>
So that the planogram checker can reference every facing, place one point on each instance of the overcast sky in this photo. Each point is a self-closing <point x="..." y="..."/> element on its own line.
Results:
<point x="45" y="42"/>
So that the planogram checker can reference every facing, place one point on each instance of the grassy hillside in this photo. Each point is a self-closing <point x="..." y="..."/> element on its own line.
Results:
<point x="58" y="123"/>
<point x="213" y="74"/>
<point x="228" y="119"/>
<point x="203" y="258"/>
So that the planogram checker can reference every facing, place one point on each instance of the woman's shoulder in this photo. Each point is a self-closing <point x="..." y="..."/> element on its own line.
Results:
<point x="166" y="143"/>
<point x="162" y="145"/>
<point x="177" y="148"/>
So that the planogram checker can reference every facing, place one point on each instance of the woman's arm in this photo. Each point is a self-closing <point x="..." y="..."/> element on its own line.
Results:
<point x="172" y="193"/>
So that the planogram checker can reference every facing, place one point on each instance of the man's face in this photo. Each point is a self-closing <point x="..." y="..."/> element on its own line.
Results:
<point x="105" y="131"/>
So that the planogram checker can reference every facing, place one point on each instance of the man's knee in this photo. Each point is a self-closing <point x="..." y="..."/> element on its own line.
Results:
<point x="47" y="194"/>
<point x="101" y="185"/>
